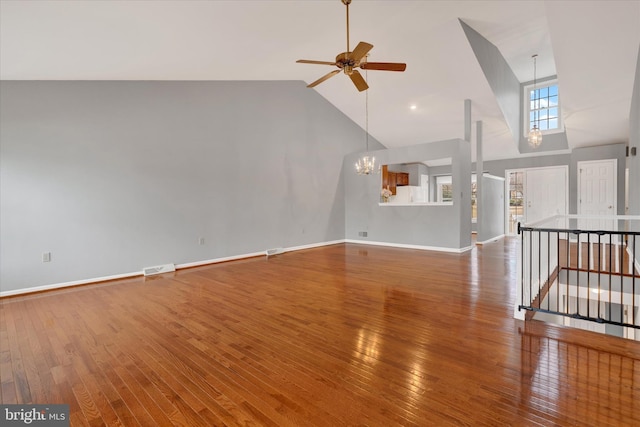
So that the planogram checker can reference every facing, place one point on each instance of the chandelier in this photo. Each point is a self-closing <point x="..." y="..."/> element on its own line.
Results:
<point x="366" y="165"/>
<point x="535" y="136"/>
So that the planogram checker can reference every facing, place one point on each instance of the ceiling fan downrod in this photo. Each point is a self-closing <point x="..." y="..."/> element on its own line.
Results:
<point x="347" y="3"/>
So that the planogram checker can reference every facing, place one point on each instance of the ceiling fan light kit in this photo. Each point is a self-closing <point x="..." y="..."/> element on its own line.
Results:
<point x="350" y="60"/>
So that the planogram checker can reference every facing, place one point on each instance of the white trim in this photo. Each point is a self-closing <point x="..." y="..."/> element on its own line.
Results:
<point x="68" y="284"/>
<point x="416" y="204"/>
<point x="626" y="191"/>
<point x="497" y="178"/>
<point x="507" y="199"/>
<point x="493" y="239"/>
<point x="219" y="260"/>
<point x="578" y="216"/>
<point x="256" y="254"/>
<point x="140" y="273"/>
<point x="405" y="246"/>
<point x="524" y="192"/>
<point x="314" y="245"/>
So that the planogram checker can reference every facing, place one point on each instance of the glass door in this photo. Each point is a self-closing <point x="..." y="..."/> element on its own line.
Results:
<point x="515" y="214"/>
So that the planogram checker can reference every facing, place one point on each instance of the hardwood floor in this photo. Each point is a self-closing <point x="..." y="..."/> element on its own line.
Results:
<point x="339" y="335"/>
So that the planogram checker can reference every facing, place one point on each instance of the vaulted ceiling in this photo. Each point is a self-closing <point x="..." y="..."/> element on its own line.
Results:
<point x="592" y="46"/>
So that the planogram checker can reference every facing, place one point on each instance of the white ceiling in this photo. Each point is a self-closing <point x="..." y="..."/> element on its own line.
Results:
<point x="591" y="45"/>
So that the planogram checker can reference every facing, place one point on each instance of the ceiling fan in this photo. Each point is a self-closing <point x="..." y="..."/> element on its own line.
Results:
<point x="348" y="62"/>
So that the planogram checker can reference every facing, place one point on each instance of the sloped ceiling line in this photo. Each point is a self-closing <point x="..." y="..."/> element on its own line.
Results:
<point x="508" y="91"/>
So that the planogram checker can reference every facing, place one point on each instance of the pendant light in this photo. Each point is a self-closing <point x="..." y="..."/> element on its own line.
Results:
<point x="535" y="136"/>
<point x="366" y="165"/>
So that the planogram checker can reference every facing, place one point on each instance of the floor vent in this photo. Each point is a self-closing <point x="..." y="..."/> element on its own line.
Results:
<point x="274" y="251"/>
<point x="159" y="269"/>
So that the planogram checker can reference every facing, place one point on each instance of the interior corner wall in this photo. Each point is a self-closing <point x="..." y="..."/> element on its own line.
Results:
<point x="633" y="162"/>
<point x="114" y="176"/>
<point x="436" y="226"/>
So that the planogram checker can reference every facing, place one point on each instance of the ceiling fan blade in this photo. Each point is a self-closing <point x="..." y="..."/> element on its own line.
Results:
<point x="323" y="78"/>
<point x="359" y="81"/>
<point x="384" y="66"/>
<point x="307" y="61"/>
<point x="360" y="51"/>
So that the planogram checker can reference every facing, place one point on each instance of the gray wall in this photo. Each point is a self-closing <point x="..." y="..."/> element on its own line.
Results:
<point x="491" y="209"/>
<point x="612" y="151"/>
<point x="503" y="82"/>
<point x="415" y="170"/>
<point x="435" y="226"/>
<point x="633" y="162"/>
<point x="111" y="177"/>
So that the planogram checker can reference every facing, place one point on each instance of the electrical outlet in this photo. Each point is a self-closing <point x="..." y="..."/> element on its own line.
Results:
<point x="201" y="240"/>
<point x="46" y="257"/>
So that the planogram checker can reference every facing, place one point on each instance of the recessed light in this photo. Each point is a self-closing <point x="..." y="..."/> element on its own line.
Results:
<point x="413" y="107"/>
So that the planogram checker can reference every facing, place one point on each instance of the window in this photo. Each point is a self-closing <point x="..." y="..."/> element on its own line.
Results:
<point x="445" y="192"/>
<point x="542" y="107"/>
<point x="444" y="188"/>
<point x="474" y="198"/>
<point x="516" y="200"/>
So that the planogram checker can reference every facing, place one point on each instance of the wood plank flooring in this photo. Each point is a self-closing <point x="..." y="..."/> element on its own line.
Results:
<point x="334" y="336"/>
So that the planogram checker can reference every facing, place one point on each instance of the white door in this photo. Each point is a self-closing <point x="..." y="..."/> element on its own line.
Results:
<point x="545" y="193"/>
<point x="597" y="187"/>
<point x="626" y="191"/>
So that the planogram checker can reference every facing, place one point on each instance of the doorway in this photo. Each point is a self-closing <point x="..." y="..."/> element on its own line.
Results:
<point x="534" y="194"/>
<point x="597" y="189"/>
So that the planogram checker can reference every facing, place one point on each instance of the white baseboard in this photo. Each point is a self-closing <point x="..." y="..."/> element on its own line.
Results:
<point x="218" y="260"/>
<point x="141" y="273"/>
<point x="223" y="259"/>
<point x="493" y="239"/>
<point x="315" y="245"/>
<point x="68" y="284"/>
<point x="404" y="246"/>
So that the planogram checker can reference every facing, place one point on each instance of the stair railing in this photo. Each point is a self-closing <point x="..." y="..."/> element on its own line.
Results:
<point x="582" y="269"/>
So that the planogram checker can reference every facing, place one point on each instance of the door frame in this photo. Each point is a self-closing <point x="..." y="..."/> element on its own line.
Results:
<point x="615" y="183"/>
<point x="524" y="187"/>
